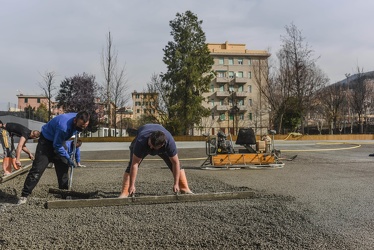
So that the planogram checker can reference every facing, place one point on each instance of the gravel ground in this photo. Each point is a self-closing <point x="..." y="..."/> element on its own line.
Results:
<point x="311" y="203"/>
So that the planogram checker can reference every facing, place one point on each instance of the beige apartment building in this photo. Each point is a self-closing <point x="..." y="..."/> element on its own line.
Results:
<point x="234" y="97"/>
<point x="144" y="103"/>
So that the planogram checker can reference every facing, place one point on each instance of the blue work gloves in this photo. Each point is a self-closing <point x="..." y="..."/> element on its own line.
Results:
<point x="71" y="163"/>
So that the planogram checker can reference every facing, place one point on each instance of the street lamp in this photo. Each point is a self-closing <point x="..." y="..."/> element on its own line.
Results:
<point x="234" y="109"/>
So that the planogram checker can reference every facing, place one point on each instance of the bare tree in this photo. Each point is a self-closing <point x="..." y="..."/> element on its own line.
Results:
<point x="160" y="88"/>
<point x="361" y="95"/>
<point x="115" y="80"/>
<point x="299" y="70"/>
<point x="330" y="103"/>
<point x="274" y="86"/>
<point x="48" y="87"/>
<point x="119" y="92"/>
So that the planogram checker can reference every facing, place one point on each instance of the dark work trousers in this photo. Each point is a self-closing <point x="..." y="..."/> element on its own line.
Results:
<point x="163" y="156"/>
<point x="43" y="156"/>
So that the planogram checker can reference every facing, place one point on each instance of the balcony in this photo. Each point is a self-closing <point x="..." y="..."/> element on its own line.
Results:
<point x="222" y="94"/>
<point x="241" y="80"/>
<point x="222" y="107"/>
<point x="222" y="79"/>
<point x="242" y="108"/>
<point x="241" y="94"/>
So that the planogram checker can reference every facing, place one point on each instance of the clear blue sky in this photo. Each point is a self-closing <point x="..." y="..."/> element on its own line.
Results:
<point x="68" y="36"/>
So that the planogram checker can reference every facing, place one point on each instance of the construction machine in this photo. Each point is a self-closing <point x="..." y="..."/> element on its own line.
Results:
<point x="248" y="153"/>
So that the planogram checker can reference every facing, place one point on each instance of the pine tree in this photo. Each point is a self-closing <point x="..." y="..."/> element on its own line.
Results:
<point x="188" y="75"/>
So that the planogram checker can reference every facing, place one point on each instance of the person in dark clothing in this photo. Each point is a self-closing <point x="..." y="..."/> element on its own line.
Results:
<point x="50" y="148"/>
<point x="154" y="139"/>
<point x="15" y="129"/>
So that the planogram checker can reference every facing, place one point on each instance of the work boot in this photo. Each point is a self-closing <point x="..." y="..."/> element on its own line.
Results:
<point x="125" y="186"/>
<point x="183" y="184"/>
<point x="7" y="167"/>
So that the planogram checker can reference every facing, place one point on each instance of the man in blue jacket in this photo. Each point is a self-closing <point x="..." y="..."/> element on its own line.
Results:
<point x="50" y="148"/>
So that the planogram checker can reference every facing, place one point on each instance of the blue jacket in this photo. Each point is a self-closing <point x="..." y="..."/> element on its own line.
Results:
<point x="70" y="148"/>
<point x="58" y="130"/>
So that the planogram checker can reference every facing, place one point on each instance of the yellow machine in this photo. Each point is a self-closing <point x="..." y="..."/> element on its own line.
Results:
<point x="249" y="153"/>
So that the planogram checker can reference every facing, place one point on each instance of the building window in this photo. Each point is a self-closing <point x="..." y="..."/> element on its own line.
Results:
<point x="241" y="88"/>
<point x="222" y="116"/>
<point x="250" y="102"/>
<point x="231" y="61"/>
<point x="221" y="87"/>
<point x="250" y="88"/>
<point x="137" y="96"/>
<point x="221" y="102"/>
<point x="240" y="61"/>
<point x="38" y="100"/>
<point x="220" y="61"/>
<point x="137" y="111"/>
<point x="249" y="75"/>
<point x="250" y="116"/>
<point x="26" y="100"/>
<point x="231" y="74"/>
<point x="249" y="61"/>
<point x="241" y="117"/>
<point x="231" y="88"/>
<point x="241" y="102"/>
<point x="211" y="87"/>
<point x="212" y="102"/>
<point x="231" y="117"/>
<point x="221" y="73"/>
<point x="239" y="74"/>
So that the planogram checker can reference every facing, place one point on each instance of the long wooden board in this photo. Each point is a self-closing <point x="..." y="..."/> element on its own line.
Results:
<point x="147" y="200"/>
<point x="15" y="173"/>
<point x="72" y="193"/>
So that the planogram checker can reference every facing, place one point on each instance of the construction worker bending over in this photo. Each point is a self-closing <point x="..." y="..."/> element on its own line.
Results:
<point x="69" y="146"/>
<point x="9" y="157"/>
<point x="15" y="129"/>
<point x="153" y="139"/>
<point x="50" y="149"/>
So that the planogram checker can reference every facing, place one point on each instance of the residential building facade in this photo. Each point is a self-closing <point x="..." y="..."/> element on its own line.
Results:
<point x="34" y="101"/>
<point x="234" y="97"/>
<point x="144" y="103"/>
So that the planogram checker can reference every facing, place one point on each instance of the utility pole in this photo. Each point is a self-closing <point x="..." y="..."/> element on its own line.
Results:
<point x="347" y="75"/>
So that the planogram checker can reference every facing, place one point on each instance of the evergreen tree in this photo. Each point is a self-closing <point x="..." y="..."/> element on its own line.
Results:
<point x="188" y="75"/>
<point x="42" y="113"/>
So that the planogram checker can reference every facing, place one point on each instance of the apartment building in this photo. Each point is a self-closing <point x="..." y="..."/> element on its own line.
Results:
<point x="144" y="103"/>
<point x="234" y="97"/>
<point x="34" y="101"/>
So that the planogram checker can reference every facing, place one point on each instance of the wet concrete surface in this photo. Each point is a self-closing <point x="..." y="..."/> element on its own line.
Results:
<point x="320" y="200"/>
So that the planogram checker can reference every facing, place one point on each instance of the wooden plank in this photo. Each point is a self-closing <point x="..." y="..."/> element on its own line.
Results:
<point x="148" y="200"/>
<point x="15" y="173"/>
<point x="72" y="193"/>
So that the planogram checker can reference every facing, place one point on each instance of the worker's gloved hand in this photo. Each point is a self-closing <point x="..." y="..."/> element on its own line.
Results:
<point x="71" y="163"/>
